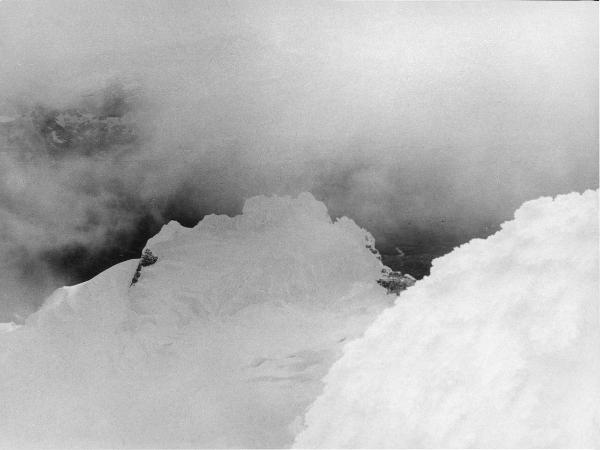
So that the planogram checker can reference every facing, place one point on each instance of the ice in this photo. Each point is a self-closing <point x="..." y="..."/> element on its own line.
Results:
<point x="498" y="347"/>
<point x="223" y="342"/>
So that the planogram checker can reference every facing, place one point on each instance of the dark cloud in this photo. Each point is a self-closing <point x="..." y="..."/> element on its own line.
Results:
<point x="427" y="123"/>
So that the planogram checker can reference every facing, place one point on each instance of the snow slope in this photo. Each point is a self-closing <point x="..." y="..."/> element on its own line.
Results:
<point x="221" y="343"/>
<point x="499" y="347"/>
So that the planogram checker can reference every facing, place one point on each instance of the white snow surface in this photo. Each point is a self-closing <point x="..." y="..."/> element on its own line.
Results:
<point x="222" y="343"/>
<point x="498" y="347"/>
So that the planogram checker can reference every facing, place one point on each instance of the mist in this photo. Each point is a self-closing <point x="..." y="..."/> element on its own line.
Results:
<point x="427" y="123"/>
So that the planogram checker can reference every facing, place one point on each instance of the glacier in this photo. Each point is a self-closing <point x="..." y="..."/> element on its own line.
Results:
<point x="223" y="342"/>
<point x="498" y="348"/>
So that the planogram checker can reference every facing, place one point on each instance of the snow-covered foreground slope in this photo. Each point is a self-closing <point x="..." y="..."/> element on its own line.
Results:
<point x="222" y="342"/>
<point x="499" y="347"/>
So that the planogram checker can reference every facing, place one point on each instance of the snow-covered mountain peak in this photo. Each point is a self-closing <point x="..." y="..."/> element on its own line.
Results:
<point x="222" y="341"/>
<point x="281" y="249"/>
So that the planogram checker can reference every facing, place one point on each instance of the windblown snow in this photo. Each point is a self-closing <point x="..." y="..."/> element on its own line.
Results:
<point x="221" y="343"/>
<point x="499" y="347"/>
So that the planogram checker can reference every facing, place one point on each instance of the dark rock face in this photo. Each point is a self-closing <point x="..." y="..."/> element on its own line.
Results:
<point x="92" y="128"/>
<point x="396" y="282"/>
<point x="146" y="260"/>
<point x="72" y="130"/>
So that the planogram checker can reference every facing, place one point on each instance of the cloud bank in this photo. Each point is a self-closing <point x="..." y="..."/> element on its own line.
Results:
<point x="424" y="122"/>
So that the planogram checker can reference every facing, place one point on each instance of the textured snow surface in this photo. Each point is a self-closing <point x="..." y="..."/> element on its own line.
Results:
<point x="222" y="343"/>
<point x="499" y="347"/>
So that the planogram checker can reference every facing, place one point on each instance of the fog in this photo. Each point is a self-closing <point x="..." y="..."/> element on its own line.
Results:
<point x="427" y="123"/>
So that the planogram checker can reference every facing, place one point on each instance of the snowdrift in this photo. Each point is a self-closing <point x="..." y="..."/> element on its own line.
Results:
<point x="499" y="347"/>
<point x="223" y="342"/>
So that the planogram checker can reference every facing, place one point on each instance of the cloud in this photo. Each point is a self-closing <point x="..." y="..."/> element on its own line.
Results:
<point x="423" y="122"/>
